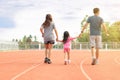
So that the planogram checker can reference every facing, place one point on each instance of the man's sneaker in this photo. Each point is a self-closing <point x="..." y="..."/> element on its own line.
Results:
<point x="93" y="62"/>
<point x="49" y="61"/>
<point x="46" y="60"/>
<point x="96" y="62"/>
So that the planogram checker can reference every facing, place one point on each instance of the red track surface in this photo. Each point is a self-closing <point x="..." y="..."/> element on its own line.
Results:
<point x="28" y="65"/>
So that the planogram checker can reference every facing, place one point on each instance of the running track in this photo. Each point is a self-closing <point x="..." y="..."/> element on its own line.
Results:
<point x="28" y="65"/>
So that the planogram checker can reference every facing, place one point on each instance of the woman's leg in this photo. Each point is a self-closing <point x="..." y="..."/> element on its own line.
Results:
<point x="46" y="53"/>
<point x="49" y="47"/>
<point x="46" y="50"/>
<point x="49" y="53"/>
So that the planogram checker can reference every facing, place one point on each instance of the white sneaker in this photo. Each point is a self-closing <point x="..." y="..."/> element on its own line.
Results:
<point x="69" y="61"/>
<point x="97" y="61"/>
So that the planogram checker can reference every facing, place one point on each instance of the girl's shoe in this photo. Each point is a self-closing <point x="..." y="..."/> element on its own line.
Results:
<point x="65" y="62"/>
<point x="69" y="61"/>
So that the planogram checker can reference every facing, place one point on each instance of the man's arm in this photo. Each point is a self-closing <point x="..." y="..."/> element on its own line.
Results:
<point x="84" y="27"/>
<point x="105" y="29"/>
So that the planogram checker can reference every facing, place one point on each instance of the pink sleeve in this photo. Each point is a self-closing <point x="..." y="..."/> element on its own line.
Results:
<point x="71" y="38"/>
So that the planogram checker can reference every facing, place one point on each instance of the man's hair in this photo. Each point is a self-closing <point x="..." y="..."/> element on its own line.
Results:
<point x="95" y="10"/>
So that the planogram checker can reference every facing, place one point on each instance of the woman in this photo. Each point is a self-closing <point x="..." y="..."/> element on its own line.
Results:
<point x="47" y="29"/>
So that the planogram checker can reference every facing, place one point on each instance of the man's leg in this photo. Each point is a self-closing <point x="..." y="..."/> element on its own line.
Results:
<point x="98" y="46"/>
<point x="97" y="53"/>
<point x="92" y="52"/>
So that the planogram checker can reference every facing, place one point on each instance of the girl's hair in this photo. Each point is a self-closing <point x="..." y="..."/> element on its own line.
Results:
<point x="48" y="20"/>
<point x="65" y="36"/>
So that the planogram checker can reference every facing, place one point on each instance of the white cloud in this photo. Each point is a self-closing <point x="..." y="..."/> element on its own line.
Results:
<point x="67" y="14"/>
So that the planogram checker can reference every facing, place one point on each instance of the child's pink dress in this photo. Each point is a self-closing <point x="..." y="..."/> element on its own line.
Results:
<point x="67" y="45"/>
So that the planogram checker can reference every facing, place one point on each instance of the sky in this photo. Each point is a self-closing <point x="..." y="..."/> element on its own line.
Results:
<point x="24" y="17"/>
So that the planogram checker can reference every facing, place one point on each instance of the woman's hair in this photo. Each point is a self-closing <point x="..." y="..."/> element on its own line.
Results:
<point x="48" y="20"/>
<point x="65" y="36"/>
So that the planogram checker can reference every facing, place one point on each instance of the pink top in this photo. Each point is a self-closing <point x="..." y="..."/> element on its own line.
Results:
<point x="68" y="43"/>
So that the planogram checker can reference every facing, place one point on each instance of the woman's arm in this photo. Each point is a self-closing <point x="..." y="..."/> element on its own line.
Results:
<point x="56" y="34"/>
<point x="41" y="30"/>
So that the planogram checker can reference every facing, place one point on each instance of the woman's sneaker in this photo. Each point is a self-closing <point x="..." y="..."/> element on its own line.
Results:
<point x="49" y="61"/>
<point x="46" y="60"/>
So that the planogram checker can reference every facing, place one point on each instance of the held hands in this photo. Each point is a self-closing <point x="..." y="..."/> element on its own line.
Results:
<point x="107" y="34"/>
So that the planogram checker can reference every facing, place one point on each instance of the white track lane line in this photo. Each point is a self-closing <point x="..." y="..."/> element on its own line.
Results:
<point x="25" y="71"/>
<point x="83" y="71"/>
<point x="116" y="60"/>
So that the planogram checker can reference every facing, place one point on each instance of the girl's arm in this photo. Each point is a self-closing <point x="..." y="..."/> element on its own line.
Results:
<point x="59" y="40"/>
<point x="76" y="37"/>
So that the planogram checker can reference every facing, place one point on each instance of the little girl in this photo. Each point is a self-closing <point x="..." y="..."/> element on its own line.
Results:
<point x="67" y="45"/>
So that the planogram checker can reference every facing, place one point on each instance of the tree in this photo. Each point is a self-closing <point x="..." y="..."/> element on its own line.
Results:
<point x="84" y="38"/>
<point x="84" y="20"/>
<point x="13" y="40"/>
<point x="24" y="39"/>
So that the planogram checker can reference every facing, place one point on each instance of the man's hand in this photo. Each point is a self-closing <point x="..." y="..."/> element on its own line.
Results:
<point x="107" y="34"/>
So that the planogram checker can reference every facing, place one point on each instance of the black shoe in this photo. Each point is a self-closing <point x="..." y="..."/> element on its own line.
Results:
<point x="49" y="61"/>
<point x="46" y="60"/>
<point x="93" y="62"/>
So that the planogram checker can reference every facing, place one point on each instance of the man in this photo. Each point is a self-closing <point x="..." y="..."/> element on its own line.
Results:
<point x="95" y="33"/>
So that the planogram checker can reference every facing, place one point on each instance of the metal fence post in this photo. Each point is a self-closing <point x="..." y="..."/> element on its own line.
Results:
<point x="80" y="46"/>
<point x="106" y="46"/>
<point x="39" y="46"/>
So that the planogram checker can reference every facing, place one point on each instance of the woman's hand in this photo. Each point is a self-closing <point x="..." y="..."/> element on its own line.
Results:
<point x="42" y="34"/>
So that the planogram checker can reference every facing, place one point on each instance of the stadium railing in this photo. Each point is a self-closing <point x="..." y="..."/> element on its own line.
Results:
<point x="7" y="45"/>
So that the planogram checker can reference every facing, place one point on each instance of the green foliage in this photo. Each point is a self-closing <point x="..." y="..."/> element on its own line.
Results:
<point x="84" y="38"/>
<point x="27" y="43"/>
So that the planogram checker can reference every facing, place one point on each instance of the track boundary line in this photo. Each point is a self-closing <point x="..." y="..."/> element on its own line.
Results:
<point x="116" y="60"/>
<point x="82" y="69"/>
<point x="25" y="71"/>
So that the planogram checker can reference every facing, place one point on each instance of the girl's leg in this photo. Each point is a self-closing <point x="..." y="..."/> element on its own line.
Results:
<point x="68" y="56"/>
<point x="65" y="58"/>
